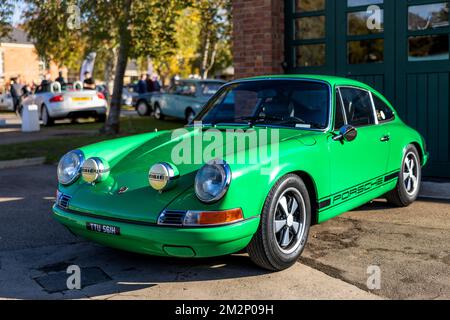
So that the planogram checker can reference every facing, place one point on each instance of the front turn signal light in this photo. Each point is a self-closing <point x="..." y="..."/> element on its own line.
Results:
<point x="213" y="218"/>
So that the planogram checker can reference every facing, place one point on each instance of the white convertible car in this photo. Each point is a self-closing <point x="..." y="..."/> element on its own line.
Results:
<point x="69" y="101"/>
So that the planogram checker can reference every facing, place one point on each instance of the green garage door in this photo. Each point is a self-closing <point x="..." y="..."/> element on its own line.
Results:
<point x="400" y="47"/>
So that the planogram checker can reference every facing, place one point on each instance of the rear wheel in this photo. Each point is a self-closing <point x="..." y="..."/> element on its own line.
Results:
<point x="142" y="108"/>
<point x="47" y="120"/>
<point x="101" y="118"/>
<point x="158" y="113"/>
<point x="284" y="226"/>
<point x="409" y="180"/>
<point x="190" y="115"/>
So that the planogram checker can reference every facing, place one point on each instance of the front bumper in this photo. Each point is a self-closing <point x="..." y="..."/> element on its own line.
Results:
<point x="162" y="240"/>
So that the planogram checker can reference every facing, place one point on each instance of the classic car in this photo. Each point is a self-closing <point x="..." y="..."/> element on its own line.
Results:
<point x="184" y="100"/>
<point x="68" y="101"/>
<point x="335" y="144"/>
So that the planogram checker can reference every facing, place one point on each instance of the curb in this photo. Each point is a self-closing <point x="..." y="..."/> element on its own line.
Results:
<point x="22" y="163"/>
<point x="435" y="190"/>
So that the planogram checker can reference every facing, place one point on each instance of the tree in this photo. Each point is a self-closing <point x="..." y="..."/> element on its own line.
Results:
<point x="215" y="32"/>
<point x="122" y="29"/>
<point x="6" y="12"/>
<point x="46" y="22"/>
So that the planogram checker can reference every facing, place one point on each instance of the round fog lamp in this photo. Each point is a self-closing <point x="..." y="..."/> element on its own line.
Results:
<point x="95" y="170"/>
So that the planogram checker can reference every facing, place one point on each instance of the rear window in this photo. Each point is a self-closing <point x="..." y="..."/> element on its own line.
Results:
<point x="209" y="89"/>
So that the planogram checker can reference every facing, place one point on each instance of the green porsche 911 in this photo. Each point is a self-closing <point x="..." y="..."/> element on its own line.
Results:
<point x="265" y="159"/>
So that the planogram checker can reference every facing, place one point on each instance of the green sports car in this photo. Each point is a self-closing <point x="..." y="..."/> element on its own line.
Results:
<point x="265" y="159"/>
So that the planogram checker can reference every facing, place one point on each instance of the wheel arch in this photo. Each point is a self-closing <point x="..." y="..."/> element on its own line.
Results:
<point x="420" y="150"/>
<point x="312" y="190"/>
<point x="189" y="108"/>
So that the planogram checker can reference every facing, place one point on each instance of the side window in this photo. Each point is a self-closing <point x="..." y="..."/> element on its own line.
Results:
<point x="339" y="121"/>
<point x="384" y="112"/>
<point x="357" y="106"/>
<point x="172" y="90"/>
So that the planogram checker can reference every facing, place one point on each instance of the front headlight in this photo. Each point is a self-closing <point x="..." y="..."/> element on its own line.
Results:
<point x="69" y="167"/>
<point x="212" y="181"/>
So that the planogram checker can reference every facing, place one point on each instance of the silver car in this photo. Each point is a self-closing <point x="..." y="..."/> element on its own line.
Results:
<point x="68" y="101"/>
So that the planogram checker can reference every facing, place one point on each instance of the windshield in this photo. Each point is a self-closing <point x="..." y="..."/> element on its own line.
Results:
<point x="287" y="103"/>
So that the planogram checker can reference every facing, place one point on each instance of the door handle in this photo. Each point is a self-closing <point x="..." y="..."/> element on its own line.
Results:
<point x="385" y="138"/>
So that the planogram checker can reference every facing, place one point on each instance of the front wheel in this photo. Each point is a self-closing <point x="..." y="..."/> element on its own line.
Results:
<point x="284" y="227"/>
<point x="409" y="180"/>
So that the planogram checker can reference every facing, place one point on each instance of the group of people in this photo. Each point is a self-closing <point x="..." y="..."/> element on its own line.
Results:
<point x="147" y="84"/>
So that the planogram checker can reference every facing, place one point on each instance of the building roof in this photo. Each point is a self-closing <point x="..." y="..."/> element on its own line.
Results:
<point x="16" y="36"/>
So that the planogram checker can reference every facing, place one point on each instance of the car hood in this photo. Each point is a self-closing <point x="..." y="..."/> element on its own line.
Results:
<point x="129" y="171"/>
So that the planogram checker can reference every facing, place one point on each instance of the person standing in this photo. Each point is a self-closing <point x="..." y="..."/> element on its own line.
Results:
<point x="61" y="79"/>
<point x="16" y="89"/>
<point x="142" y="84"/>
<point x="150" y="86"/>
<point x="89" y="82"/>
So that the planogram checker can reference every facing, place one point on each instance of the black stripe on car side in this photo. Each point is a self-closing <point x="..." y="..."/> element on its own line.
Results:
<point x="325" y="204"/>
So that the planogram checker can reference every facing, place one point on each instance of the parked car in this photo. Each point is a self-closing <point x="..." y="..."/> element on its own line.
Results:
<point x="69" y="101"/>
<point x="6" y="102"/>
<point x="184" y="100"/>
<point x="340" y="144"/>
<point x="129" y="93"/>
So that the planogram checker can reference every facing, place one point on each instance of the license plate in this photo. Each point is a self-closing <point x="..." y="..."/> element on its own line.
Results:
<point x="102" y="228"/>
<point x="81" y="99"/>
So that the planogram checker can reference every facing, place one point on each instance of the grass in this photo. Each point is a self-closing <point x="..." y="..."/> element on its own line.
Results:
<point x="52" y="149"/>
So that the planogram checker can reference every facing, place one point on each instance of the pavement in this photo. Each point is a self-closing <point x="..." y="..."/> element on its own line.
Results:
<point x="11" y="132"/>
<point x="409" y="245"/>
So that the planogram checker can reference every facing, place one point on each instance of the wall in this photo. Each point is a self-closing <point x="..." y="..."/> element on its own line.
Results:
<point x="258" y="37"/>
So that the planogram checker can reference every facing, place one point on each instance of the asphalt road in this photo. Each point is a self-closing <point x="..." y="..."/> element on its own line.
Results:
<point x="409" y="245"/>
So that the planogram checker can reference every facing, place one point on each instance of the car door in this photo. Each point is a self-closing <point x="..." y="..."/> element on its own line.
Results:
<point x="186" y="99"/>
<point x="168" y="101"/>
<point x="364" y="159"/>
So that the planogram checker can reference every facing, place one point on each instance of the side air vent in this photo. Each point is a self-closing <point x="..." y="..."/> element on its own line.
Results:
<point x="63" y="200"/>
<point x="172" y="218"/>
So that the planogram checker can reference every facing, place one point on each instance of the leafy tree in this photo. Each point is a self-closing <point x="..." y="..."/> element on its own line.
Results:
<point x="215" y="32"/>
<point x="118" y="29"/>
<point x="46" y="22"/>
<point x="6" y="12"/>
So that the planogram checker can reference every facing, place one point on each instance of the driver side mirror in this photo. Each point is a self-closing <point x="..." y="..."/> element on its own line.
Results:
<point x="346" y="133"/>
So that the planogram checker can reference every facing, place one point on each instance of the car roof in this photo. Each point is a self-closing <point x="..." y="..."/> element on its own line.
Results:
<point x="332" y="80"/>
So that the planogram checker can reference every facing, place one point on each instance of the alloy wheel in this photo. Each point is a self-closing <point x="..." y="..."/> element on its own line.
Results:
<point x="411" y="173"/>
<point x="289" y="220"/>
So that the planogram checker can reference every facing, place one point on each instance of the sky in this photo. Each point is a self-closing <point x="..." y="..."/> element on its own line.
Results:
<point x="18" y="13"/>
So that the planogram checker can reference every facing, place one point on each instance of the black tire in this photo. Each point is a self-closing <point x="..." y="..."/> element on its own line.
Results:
<point x="47" y="121"/>
<point x="157" y="114"/>
<point x="142" y="108"/>
<point x="265" y="249"/>
<point x="189" y="115"/>
<point x="403" y="195"/>
<point x="101" y="118"/>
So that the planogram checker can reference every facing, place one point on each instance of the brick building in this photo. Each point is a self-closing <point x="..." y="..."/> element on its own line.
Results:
<point x="18" y="57"/>
<point x="401" y="48"/>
